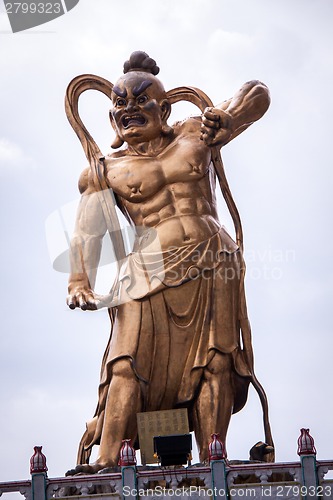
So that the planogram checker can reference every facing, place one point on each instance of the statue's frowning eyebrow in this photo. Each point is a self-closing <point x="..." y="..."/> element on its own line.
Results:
<point x="141" y="88"/>
<point x="119" y="92"/>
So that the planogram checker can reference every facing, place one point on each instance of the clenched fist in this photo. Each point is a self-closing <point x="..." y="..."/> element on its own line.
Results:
<point x="216" y="127"/>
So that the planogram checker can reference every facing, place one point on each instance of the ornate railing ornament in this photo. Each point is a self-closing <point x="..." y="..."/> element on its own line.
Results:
<point x="216" y="448"/>
<point x="127" y="453"/>
<point x="306" y="443"/>
<point x="38" y="461"/>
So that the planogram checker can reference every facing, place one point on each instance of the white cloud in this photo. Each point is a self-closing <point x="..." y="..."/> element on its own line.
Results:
<point x="12" y="155"/>
<point x="224" y="41"/>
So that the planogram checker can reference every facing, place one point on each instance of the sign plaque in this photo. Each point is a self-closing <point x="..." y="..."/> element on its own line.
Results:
<point x="159" y="423"/>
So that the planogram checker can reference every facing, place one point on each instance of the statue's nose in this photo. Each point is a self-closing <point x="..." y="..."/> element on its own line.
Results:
<point x="131" y="106"/>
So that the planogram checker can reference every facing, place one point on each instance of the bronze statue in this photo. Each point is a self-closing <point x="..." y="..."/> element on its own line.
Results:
<point x="184" y="341"/>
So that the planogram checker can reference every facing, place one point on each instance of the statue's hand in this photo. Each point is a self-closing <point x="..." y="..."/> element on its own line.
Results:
<point x="216" y="127"/>
<point x="82" y="297"/>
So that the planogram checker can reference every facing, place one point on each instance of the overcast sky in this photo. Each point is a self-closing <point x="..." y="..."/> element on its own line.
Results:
<point x="279" y="170"/>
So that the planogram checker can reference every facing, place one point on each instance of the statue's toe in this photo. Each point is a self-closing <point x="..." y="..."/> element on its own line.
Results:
<point x="81" y="469"/>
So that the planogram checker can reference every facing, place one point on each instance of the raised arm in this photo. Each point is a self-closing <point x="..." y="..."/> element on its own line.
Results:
<point x="85" y="249"/>
<point x="224" y="122"/>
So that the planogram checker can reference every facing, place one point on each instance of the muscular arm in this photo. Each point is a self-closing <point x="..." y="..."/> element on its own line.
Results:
<point x="85" y="247"/>
<point x="224" y="122"/>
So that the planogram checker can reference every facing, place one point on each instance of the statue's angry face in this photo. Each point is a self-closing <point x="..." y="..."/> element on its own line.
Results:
<point x="140" y="108"/>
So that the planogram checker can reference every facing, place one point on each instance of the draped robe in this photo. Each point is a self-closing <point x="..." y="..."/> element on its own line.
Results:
<point x="177" y="309"/>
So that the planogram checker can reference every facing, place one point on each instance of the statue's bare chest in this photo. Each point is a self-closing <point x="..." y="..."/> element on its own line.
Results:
<point x="137" y="178"/>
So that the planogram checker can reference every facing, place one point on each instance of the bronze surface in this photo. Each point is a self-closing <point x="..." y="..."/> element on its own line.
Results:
<point x="180" y="336"/>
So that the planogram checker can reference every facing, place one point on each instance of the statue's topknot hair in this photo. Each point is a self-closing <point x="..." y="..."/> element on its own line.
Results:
<point x="140" y="61"/>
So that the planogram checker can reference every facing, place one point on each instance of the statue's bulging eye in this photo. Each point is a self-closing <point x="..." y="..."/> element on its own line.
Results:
<point x="120" y="102"/>
<point x="142" y="99"/>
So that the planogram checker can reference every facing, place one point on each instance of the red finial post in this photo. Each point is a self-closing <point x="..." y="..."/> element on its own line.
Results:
<point x="127" y="453"/>
<point x="38" y="461"/>
<point x="306" y="443"/>
<point x="216" y="448"/>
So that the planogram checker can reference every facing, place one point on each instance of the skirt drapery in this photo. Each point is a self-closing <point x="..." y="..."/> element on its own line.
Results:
<point x="177" y="309"/>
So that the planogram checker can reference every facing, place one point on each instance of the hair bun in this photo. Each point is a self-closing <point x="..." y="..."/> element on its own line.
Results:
<point x="140" y="61"/>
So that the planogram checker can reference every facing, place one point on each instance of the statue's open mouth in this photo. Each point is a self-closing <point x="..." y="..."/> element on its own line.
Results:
<point x="133" y="121"/>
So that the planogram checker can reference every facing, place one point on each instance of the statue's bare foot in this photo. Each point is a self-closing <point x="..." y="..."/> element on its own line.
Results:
<point x="262" y="452"/>
<point x="86" y="469"/>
